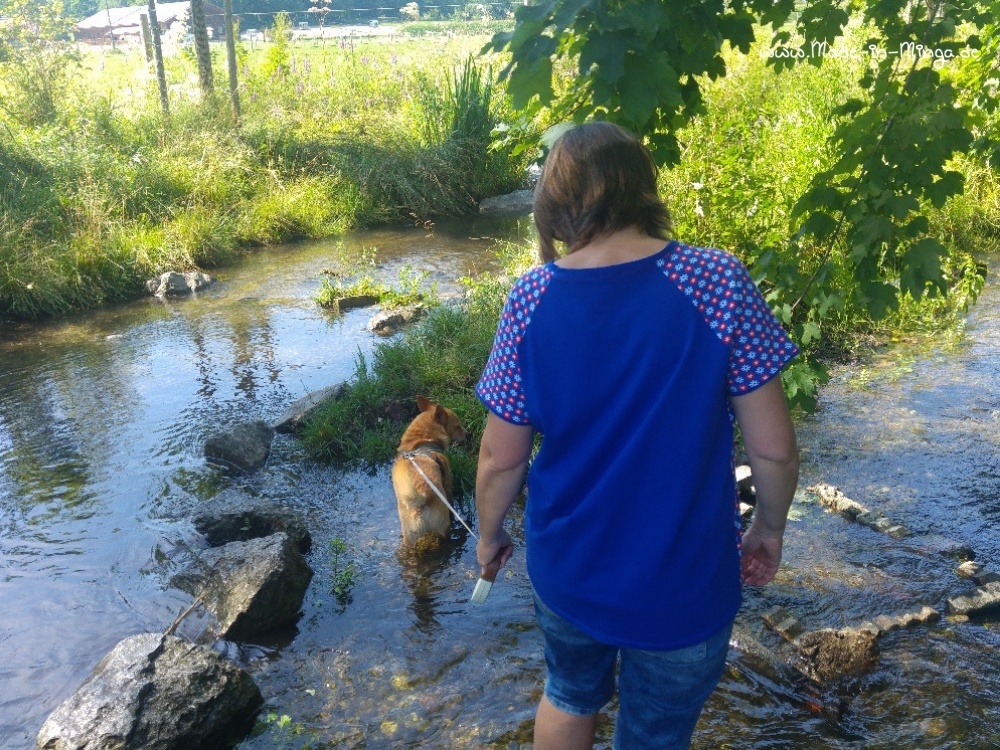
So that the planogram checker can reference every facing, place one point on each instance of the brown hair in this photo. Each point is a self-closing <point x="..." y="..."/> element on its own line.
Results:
<point x="598" y="178"/>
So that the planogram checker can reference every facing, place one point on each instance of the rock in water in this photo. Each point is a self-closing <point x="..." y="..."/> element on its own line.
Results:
<point x="155" y="692"/>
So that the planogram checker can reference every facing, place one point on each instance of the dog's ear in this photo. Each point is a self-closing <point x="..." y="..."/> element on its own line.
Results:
<point x="440" y="414"/>
<point x="424" y="403"/>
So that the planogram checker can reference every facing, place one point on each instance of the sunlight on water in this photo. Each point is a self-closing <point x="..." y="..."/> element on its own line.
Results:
<point x="102" y="419"/>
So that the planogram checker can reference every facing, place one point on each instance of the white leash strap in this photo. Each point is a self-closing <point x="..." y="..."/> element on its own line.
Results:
<point x="440" y="494"/>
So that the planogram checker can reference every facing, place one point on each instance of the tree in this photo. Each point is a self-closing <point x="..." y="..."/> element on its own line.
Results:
<point x="155" y="43"/>
<point x="641" y="63"/>
<point x="37" y="62"/>
<point x="201" y="48"/>
<point x="234" y="84"/>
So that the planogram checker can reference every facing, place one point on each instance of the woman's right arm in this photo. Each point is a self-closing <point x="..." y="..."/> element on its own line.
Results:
<point x="503" y="459"/>
<point x="772" y="452"/>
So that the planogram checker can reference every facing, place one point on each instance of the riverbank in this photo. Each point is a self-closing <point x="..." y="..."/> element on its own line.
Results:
<point x="104" y="416"/>
<point x="357" y="134"/>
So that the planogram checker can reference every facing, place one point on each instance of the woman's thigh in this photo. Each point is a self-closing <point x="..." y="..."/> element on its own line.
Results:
<point x="661" y="693"/>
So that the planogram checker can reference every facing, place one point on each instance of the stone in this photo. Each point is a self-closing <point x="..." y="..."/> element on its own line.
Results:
<point x="985" y="601"/>
<point x="886" y="624"/>
<point x="783" y="623"/>
<point x="388" y="322"/>
<point x="830" y="654"/>
<point x="299" y="412"/>
<point x="174" y="284"/>
<point x="968" y="569"/>
<point x="987" y="576"/>
<point x="155" y="692"/>
<point x="251" y="587"/>
<point x="939" y="545"/>
<point x="833" y="498"/>
<point x="244" y="446"/>
<point x="232" y="516"/>
<point x="518" y="203"/>
<point x="344" y="304"/>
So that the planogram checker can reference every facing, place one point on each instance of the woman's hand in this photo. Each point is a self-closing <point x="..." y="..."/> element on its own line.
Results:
<point x="494" y="554"/>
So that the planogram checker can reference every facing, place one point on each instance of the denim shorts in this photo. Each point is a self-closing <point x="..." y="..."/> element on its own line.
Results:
<point x="660" y="693"/>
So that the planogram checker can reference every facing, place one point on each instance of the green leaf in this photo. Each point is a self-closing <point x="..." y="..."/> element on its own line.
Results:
<point x="737" y="28"/>
<point x="532" y="76"/>
<point x="818" y="196"/>
<point x="878" y="296"/>
<point x="949" y="184"/>
<point x="872" y="231"/>
<point x="604" y="55"/>
<point x="922" y="267"/>
<point x="819" y="224"/>
<point x="810" y="332"/>
<point x="649" y="82"/>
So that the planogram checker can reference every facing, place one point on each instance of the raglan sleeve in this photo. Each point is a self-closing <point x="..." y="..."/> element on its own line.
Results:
<point x="760" y="346"/>
<point x="501" y="387"/>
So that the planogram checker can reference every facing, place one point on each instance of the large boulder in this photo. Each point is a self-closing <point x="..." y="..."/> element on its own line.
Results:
<point x="155" y="692"/>
<point x="244" y="446"/>
<point x="251" y="587"/>
<point x="232" y="516"/>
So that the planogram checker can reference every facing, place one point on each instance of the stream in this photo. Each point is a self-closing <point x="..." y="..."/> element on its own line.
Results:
<point x="102" y="421"/>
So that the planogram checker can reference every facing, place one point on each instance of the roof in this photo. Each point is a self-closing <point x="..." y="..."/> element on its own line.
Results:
<point x="165" y="13"/>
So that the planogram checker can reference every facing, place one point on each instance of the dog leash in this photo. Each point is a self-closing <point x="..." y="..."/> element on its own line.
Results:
<point x="409" y="457"/>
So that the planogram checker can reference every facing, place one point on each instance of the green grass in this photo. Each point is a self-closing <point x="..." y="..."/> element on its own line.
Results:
<point x="441" y="357"/>
<point x="107" y="194"/>
<point x="408" y="291"/>
<point x="745" y="164"/>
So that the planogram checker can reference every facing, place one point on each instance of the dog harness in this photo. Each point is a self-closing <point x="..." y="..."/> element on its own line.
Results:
<point x="432" y="451"/>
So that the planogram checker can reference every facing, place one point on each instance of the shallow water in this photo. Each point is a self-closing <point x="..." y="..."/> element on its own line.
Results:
<point x="102" y="418"/>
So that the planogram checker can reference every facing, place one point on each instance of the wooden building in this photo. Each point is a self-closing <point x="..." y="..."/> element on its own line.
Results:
<point x="124" y="23"/>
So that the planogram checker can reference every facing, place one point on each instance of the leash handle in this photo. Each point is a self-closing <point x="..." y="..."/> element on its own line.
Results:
<point x="490" y="570"/>
<point x="440" y="495"/>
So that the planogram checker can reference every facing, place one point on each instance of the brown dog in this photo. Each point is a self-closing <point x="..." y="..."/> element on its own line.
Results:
<point x="430" y="434"/>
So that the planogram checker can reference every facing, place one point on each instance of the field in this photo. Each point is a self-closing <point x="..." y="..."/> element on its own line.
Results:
<point x="333" y="135"/>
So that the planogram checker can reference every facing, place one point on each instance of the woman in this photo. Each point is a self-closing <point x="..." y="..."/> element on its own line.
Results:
<point x="631" y="356"/>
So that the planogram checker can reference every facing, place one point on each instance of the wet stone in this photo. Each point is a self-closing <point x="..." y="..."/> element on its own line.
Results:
<point x="968" y="569"/>
<point x="886" y="624"/>
<point x="987" y="576"/>
<point x="783" y="623"/>
<point x="985" y="601"/>
<point x="945" y="547"/>
<point x="831" y="654"/>
<point x="344" y="304"/>
<point x="299" y="412"/>
<point x="831" y="497"/>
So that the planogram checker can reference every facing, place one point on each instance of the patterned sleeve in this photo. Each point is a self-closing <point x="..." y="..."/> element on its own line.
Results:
<point x="760" y="346"/>
<point x="501" y="386"/>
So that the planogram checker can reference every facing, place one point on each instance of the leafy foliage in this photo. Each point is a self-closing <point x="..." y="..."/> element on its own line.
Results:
<point x="37" y="61"/>
<point x="858" y="237"/>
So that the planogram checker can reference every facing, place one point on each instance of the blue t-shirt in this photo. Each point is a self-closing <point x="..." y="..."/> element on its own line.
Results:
<point x="632" y="522"/>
